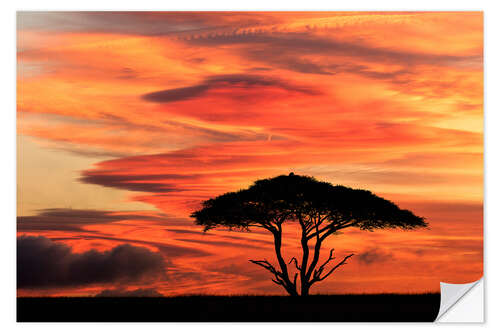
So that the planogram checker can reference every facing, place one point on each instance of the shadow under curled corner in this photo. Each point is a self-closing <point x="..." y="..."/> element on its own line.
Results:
<point x="462" y="303"/>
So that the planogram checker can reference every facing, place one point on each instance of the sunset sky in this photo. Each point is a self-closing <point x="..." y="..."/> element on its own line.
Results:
<point x="127" y="121"/>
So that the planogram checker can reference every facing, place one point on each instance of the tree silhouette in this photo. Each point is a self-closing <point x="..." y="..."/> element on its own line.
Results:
<point x="319" y="208"/>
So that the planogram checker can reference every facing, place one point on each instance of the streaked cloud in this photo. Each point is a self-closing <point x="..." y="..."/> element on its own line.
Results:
<point x="76" y="219"/>
<point x="222" y="81"/>
<point x="141" y="292"/>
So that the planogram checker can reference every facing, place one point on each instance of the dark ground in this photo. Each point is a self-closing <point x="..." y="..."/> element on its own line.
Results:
<point x="316" y="308"/>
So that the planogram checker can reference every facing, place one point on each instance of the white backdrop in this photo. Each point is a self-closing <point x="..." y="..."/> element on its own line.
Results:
<point x="492" y="159"/>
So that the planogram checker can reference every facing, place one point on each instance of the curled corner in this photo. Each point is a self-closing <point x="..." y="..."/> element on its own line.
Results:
<point x="451" y="294"/>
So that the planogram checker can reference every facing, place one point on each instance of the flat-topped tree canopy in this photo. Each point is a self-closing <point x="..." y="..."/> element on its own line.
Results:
<point x="320" y="208"/>
<point x="272" y="201"/>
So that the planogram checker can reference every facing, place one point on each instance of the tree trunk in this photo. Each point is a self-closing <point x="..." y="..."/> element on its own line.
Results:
<point x="304" y="287"/>
<point x="304" y="290"/>
<point x="289" y="286"/>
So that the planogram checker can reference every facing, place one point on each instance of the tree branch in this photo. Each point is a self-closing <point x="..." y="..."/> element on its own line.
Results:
<point x="280" y="278"/>
<point x="295" y="280"/>
<point x="260" y="226"/>
<point x="296" y="263"/>
<point x="336" y="266"/>
<point x="331" y="231"/>
<point x="264" y="263"/>
<point x="330" y="228"/>
<point x="317" y="273"/>
<point x="317" y="249"/>
<point x="278" y="275"/>
<point x="318" y="221"/>
<point x="278" y="282"/>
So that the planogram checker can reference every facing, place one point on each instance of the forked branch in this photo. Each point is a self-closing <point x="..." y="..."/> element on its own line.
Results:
<point x="317" y="272"/>
<point x="279" y="277"/>
<point x="299" y="268"/>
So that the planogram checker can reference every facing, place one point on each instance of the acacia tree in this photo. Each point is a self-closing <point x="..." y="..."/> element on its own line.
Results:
<point x="319" y="208"/>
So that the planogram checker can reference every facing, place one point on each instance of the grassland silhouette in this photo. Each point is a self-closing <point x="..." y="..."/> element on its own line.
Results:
<point x="244" y="308"/>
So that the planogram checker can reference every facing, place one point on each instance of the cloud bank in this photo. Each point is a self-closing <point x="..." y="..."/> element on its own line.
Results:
<point x="42" y="263"/>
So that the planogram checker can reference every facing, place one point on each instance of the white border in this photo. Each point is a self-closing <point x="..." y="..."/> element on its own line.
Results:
<point x="8" y="198"/>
